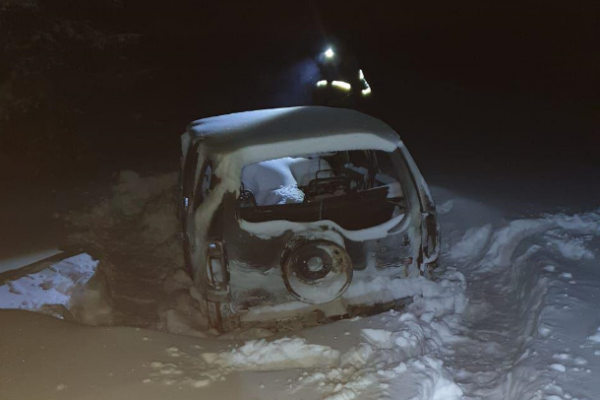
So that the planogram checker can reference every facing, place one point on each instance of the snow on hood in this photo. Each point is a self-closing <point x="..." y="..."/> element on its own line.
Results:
<point x="269" y="229"/>
<point x="254" y="129"/>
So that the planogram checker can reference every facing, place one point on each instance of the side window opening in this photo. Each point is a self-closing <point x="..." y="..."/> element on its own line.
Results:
<point x="387" y="175"/>
<point x="204" y="184"/>
<point x="187" y="182"/>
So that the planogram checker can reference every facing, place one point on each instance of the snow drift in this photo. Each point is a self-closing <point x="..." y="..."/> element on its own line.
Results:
<point x="512" y="315"/>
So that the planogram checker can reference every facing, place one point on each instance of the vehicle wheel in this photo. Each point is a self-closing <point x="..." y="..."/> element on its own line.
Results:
<point x="317" y="272"/>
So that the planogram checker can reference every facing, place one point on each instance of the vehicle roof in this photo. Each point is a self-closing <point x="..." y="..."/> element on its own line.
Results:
<point x="230" y="132"/>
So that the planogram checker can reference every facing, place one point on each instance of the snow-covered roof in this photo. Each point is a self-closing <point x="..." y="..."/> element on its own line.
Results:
<point x="231" y="132"/>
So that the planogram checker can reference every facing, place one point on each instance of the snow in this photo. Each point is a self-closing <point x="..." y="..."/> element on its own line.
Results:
<point x="558" y="367"/>
<point x="501" y="320"/>
<point x="269" y="229"/>
<point x="277" y="181"/>
<point x="139" y="276"/>
<point x="566" y="275"/>
<point x="280" y="354"/>
<point x="595" y="337"/>
<point x="18" y="261"/>
<point x="232" y="132"/>
<point x="55" y="290"/>
<point x="445" y="207"/>
<point x="472" y="243"/>
<point x="272" y="182"/>
<point x="571" y="248"/>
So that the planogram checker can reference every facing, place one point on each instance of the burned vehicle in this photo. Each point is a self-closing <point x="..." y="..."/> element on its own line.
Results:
<point x="301" y="215"/>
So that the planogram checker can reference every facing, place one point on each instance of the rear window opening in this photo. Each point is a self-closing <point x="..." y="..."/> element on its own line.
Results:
<point x="355" y="189"/>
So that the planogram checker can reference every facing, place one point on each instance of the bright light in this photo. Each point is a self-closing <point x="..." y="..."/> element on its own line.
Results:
<point x="322" y="83"/>
<point x="367" y="90"/>
<point x="329" y="53"/>
<point x="342" y="85"/>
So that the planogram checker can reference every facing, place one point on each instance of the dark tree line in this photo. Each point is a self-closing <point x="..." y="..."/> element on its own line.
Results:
<point x="57" y="58"/>
<point x="82" y="82"/>
<point x="114" y="82"/>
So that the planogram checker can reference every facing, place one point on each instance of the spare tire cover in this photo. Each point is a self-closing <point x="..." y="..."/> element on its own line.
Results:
<point x="317" y="271"/>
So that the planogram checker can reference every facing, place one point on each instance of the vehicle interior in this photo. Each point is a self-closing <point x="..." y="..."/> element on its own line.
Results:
<point x="355" y="189"/>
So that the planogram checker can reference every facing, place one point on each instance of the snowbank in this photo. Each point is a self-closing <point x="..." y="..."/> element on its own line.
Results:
<point x="135" y="235"/>
<point x="512" y="315"/>
<point x="519" y="316"/>
<point x="58" y="290"/>
<point x="286" y="353"/>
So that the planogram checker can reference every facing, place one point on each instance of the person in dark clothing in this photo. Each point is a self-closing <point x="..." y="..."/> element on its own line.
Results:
<point x="341" y="83"/>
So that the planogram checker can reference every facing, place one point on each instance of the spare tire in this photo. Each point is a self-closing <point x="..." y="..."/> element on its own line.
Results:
<point x="317" y="271"/>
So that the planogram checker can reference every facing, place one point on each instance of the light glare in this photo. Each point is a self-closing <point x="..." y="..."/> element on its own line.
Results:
<point x="342" y="85"/>
<point x="329" y="53"/>
<point x="321" y="83"/>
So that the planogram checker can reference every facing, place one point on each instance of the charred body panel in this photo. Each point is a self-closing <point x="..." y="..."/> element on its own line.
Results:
<point x="336" y="231"/>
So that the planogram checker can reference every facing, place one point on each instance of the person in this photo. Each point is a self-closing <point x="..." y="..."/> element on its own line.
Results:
<point x="341" y="82"/>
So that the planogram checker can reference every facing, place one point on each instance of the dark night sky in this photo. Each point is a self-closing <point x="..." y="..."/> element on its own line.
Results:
<point x="504" y="77"/>
<point x="512" y="84"/>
